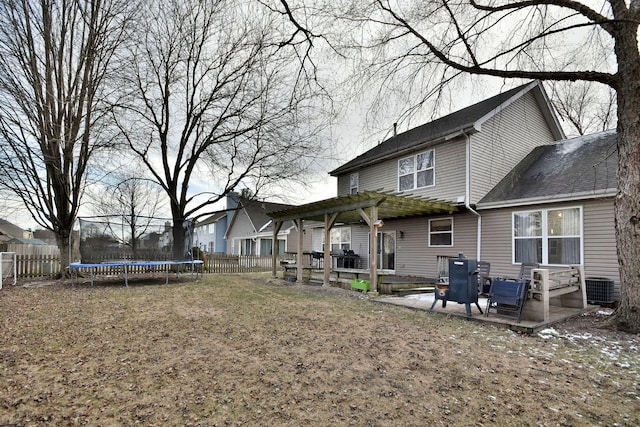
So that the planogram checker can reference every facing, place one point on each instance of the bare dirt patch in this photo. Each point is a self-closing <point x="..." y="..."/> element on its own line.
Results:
<point x="238" y="350"/>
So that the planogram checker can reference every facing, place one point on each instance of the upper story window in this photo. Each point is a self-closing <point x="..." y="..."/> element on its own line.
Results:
<point x="354" y="180"/>
<point x="548" y="236"/>
<point x="417" y="171"/>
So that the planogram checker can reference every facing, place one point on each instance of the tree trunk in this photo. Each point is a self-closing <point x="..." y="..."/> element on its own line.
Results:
<point x="178" y="232"/>
<point x="627" y="203"/>
<point x="64" y="244"/>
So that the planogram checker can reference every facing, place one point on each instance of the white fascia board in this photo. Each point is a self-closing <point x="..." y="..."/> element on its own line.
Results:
<point x="585" y="195"/>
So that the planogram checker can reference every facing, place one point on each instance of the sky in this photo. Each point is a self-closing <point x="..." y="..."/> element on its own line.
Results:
<point x="354" y="131"/>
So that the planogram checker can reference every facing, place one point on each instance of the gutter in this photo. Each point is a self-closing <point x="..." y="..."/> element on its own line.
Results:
<point x="560" y="198"/>
<point x="467" y="194"/>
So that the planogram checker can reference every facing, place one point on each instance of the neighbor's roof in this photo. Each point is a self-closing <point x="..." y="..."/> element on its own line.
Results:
<point x="582" y="167"/>
<point x="257" y="211"/>
<point x="10" y="229"/>
<point x="215" y="217"/>
<point x="348" y="207"/>
<point x="468" y="120"/>
<point x="25" y="241"/>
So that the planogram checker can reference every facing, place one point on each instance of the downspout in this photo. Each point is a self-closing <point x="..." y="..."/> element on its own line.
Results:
<point x="468" y="194"/>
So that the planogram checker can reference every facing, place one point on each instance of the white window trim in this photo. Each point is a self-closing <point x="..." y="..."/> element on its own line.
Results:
<point x="441" y="232"/>
<point x="415" y="170"/>
<point x="545" y="234"/>
<point x="340" y="233"/>
<point x="357" y="186"/>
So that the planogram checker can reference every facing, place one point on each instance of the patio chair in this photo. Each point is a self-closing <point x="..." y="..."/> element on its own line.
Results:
<point x="507" y="298"/>
<point x="484" y="281"/>
<point x="525" y="271"/>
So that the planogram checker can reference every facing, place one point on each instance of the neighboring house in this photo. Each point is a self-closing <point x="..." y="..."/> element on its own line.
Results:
<point x="23" y="242"/>
<point x="250" y="229"/>
<point x="209" y="233"/>
<point x="556" y="208"/>
<point x="9" y="231"/>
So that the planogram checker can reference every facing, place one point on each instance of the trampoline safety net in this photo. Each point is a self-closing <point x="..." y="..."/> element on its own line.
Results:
<point x="109" y="238"/>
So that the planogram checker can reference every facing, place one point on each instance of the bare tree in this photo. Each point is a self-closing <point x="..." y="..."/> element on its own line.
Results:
<point x="136" y="202"/>
<point x="214" y="95"/>
<point x="425" y="45"/>
<point x="586" y="106"/>
<point x="54" y="58"/>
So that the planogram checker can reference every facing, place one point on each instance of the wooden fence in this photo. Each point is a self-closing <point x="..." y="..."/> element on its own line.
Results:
<point x="35" y="266"/>
<point x="221" y="263"/>
<point x="46" y="266"/>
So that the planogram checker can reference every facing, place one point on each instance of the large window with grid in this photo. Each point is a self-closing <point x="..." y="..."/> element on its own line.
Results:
<point x="548" y="236"/>
<point x="416" y="171"/>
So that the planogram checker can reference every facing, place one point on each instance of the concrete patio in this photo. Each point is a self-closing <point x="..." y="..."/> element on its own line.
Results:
<point x="423" y="302"/>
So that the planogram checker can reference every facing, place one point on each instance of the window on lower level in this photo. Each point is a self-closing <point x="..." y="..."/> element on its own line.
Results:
<point x="548" y="236"/>
<point x="340" y="238"/>
<point x="441" y="232"/>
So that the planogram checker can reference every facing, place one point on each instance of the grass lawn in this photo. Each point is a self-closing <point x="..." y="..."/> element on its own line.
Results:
<point x="247" y="350"/>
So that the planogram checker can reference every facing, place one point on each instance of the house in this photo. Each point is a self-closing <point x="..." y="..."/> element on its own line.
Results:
<point x="442" y="188"/>
<point x="556" y="207"/>
<point x="9" y="231"/>
<point x="250" y="229"/>
<point x="209" y="233"/>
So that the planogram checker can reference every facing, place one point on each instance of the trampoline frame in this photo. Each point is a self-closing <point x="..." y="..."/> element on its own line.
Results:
<point x="75" y="267"/>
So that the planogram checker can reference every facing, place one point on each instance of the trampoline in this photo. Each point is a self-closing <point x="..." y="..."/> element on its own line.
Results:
<point x="133" y="244"/>
<point x="127" y="265"/>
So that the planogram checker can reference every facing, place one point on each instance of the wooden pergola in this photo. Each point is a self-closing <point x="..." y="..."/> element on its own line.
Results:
<point x="370" y="206"/>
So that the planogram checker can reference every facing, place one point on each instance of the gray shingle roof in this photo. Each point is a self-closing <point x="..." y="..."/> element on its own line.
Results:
<point x="434" y="130"/>
<point x="257" y="210"/>
<point x="10" y="229"/>
<point x="570" y="168"/>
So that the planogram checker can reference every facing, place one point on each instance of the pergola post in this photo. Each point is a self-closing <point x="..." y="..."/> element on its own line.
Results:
<point x="329" y="221"/>
<point x="373" y="249"/>
<point x="277" y="225"/>
<point x="300" y="224"/>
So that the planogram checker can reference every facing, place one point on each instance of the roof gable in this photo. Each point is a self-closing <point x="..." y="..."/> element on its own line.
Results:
<point x="256" y="211"/>
<point x="10" y="229"/>
<point x="570" y="168"/>
<point x="468" y="119"/>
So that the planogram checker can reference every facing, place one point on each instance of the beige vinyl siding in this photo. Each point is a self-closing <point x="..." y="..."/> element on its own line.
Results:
<point x="496" y="242"/>
<point x="504" y="140"/>
<point x="600" y="259"/>
<point x="449" y="174"/>
<point x="343" y="185"/>
<point x="414" y="257"/>
<point x="600" y="256"/>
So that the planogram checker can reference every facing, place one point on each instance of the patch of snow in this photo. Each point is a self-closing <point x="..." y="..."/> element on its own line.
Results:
<point x="571" y="146"/>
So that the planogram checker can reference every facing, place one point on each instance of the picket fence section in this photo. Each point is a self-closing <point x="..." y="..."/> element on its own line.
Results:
<point x="35" y="266"/>
<point x="48" y="266"/>
<point x="220" y="263"/>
